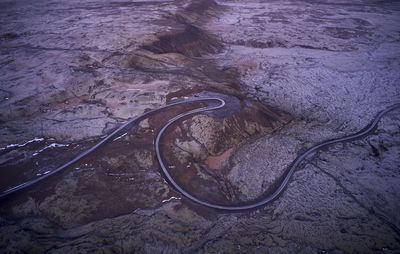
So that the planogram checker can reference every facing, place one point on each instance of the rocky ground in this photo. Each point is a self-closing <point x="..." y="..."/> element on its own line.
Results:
<point x="293" y="73"/>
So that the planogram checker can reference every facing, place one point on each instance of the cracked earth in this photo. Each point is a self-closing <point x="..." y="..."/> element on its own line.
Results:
<point x="293" y="73"/>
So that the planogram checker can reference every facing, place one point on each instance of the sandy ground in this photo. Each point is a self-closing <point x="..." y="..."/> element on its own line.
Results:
<point x="294" y="73"/>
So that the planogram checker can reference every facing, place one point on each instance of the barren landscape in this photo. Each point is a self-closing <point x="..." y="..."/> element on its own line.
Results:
<point x="292" y="74"/>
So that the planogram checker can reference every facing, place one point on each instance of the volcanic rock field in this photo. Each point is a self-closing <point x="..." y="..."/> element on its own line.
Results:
<point x="292" y="74"/>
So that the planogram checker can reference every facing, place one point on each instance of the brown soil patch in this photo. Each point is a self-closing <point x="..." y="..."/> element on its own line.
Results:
<point x="219" y="161"/>
<point x="197" y="150"/>
<point x="191" y="42"/>
<point x="202" y="7"/>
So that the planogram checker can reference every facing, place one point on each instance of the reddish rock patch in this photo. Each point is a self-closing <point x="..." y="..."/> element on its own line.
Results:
<point x="219" y="161"/>
<point x="197" y="149"/>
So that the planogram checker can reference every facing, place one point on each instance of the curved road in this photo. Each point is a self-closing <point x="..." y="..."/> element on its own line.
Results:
<point x="289" y="174"/>
<point x="268" y="199"/>
<point x="107" y="138"/>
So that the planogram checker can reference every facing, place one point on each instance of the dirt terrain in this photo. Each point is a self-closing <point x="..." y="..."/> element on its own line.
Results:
<point x="292" y="74"/>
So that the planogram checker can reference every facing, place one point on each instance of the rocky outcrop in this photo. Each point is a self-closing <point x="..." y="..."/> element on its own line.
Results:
<point x="293" y="74"/>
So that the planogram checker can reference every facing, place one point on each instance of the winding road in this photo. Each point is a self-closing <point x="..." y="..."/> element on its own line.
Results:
<point x="221" y="103"/>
